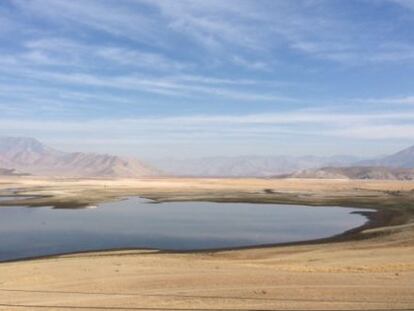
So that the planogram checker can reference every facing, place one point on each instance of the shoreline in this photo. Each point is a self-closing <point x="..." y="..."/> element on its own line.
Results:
<point x="376" y="219"/>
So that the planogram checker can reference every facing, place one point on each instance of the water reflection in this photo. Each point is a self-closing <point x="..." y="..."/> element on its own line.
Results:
<point x="133" y="223"/>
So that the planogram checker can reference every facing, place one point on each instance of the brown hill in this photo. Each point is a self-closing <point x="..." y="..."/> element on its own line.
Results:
<point x="31" y="156"/>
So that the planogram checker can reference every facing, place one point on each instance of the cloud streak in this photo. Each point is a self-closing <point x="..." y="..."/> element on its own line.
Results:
<point x="237" y="30"/>
<point x="242" y="71"/>
<point x="329" y="123"/>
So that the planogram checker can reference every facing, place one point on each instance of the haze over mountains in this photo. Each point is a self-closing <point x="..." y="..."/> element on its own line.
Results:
<point x="22" y="155"/>
<point x="247" y="166"/>
<point x="357" y="172"/>
<point x="403" y="159"/>
<point x="397" y="166"/>
<point x="28" y="155"/>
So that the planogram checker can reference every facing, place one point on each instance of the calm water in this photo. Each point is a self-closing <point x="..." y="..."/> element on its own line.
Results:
<point x="136" y="223"/>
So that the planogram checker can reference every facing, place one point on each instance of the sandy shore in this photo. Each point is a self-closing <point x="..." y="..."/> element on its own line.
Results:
<point x="376" y="272"/>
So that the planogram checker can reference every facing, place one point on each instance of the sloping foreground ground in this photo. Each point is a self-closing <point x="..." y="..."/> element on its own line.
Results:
<point x="374" y="273"/>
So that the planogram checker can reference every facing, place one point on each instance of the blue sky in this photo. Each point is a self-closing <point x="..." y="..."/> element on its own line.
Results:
<point x="201" y="78"/>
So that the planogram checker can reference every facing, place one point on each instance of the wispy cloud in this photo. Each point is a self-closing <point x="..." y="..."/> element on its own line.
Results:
<point x="231" y="28"/>
<point x="403" y="100"/>
<point x="73" y="62"/>
<point x="409" y="4"/>
<point x="67" y="52"/>
<point x="378" y="132"/>
<point x="208" y="70"/>
<point x="116" y="19"/>
<point x="164" y="85"/>
<point x="328" y="123"/>
<point x="140" y="59"/>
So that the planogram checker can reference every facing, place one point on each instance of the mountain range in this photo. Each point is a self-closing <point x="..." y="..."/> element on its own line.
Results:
<point x="25" y="155"/>
<point x="403" y="159"/>
<point x="397" y="166"/>
<point x="357" y="172"/>
<point x="394" y="166"/>
<point x="28" y="155"/>
<point x="246" y="166"/>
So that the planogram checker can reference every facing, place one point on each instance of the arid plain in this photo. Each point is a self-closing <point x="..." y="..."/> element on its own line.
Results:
<point x="369" y="268"/>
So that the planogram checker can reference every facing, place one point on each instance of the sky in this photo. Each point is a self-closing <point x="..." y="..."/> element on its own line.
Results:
<point x="160" y="78"/>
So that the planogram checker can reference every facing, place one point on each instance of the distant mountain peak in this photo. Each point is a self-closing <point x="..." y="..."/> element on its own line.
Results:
<point x="406" y="151"/>
<point x="21" y="143"/>
<point x="402" y="159"/>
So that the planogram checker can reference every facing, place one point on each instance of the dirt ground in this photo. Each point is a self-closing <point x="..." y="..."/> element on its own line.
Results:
<point x="372" y="273"/>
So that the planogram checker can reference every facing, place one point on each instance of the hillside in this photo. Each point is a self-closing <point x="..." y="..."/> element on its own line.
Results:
<point x="356" y="172"/>
<point x="250" y="166"/>
<point x="31" y="156"/>
<point x="403" y="159"/>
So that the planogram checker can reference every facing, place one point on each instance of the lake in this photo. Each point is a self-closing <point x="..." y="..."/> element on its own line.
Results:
<point x="138" y="223"/>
